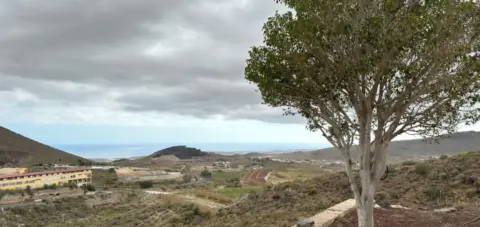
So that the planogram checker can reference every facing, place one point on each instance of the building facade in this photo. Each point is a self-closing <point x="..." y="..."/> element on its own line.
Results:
<point x="78" y="176"/>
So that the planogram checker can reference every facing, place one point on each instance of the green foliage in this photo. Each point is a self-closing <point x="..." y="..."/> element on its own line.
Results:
<point x="422" y="169"/>
<point x="436" y="193"/>
<point x="49" y="186"/>
<point x="325" y="59"/>
<point x="90" y="187"/>
<point x="205" y="173"/>
<point x="145" y="184"/>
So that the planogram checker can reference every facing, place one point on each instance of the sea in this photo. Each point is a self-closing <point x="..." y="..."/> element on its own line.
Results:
<point x="116" y="151"/>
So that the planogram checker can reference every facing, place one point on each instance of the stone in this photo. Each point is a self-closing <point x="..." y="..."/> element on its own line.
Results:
<point x="445" y="210"/>
<point x="399" y="207"/>
<point x="328" y="216"/>
<point x="305" y="223"/>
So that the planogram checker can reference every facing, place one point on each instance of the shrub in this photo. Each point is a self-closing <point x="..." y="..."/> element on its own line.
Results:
<point x="382" y="199"/>
<point x="436" y="193"/>
<point x="49" y="186"/>
<point x="90" y="187"/>
<point x="443" y="157"/>
<point x="422" y="169"/>
<point x="145" y="184"/>
<point x="205" y="173"/>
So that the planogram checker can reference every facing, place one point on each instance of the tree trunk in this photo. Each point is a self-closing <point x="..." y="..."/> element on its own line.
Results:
<point x="366" y="206"/>
<point x="365" y="217"/>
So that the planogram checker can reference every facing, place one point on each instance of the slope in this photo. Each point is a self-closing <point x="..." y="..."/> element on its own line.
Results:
<point x="18" y="150"/>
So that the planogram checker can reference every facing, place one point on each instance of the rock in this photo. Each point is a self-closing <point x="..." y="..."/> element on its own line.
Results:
<point x="328" y="216"/>
<point x="445" y="210"/>
<point x="305" y="223"/>
<point x="399" y="207"/>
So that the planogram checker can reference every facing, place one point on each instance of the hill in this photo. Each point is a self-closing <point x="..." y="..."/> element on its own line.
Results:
<point x="403" y="150"/>
<point x="181" y="152"/>
<point x="18" y="150"/>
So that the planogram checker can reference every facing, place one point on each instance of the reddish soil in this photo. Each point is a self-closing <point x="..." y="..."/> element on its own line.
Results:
<point x="467" y="217"/>
<point x="255" y="177"/>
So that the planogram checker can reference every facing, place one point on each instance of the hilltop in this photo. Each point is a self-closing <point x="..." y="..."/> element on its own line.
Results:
<point x="181" y="152"/>
<point x="18" y="150"/>
<point x="168" y="157"/>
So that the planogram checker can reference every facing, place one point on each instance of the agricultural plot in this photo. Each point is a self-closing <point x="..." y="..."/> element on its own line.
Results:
<point x="255" y="177"/>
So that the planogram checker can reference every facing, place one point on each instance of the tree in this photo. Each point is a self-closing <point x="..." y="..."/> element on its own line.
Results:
<point x="363" y="72"/>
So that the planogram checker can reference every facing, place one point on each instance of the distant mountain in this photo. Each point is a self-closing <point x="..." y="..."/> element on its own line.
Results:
<point x="403" y="150"/>
<point x="181" y="152"/>
<point x="18" y="150"/>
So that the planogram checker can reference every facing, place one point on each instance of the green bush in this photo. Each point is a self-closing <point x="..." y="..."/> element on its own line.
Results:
<point x="205" y="173"/>
<point x="436" y="193"/>
<point x="443" y="157"/>
<point x="145" y="184"/>
<point x="49" y="186"/>
<point x="422" y="169"/>
<point x="90" y="187"/>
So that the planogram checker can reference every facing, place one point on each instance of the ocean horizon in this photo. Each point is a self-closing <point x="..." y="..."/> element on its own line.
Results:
<point x="116" y="151"/>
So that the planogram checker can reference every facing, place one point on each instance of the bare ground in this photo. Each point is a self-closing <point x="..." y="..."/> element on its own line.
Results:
<point x="464" y="217"/>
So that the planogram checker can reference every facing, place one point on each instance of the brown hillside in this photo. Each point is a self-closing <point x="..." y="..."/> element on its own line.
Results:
<point x="18" y="150"/>
<point x="436" y="183"/>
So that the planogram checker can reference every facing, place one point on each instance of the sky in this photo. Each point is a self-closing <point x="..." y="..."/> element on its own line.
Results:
<point x="132" y="72"/>
<point x="116" y="72"/>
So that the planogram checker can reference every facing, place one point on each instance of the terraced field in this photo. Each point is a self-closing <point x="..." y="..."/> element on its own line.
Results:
<point x="255" y="177"/>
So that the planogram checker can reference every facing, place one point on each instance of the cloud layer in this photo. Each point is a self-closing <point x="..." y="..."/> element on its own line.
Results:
<point x="83" y="60"/>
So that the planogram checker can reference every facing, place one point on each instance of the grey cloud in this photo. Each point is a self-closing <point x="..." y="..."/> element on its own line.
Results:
<point x="99" y="48"/>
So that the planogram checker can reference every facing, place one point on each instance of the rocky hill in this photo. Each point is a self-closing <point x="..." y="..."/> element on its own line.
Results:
<point x="18" y="150"/>
<point x="181" y="152"/>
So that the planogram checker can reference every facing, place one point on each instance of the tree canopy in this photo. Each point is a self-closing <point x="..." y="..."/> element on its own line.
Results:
<point x="410" y="65"/>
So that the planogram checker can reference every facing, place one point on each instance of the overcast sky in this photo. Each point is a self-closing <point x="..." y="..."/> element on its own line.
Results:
<point x="130" y="72"/>
<point x="123" y="71"/>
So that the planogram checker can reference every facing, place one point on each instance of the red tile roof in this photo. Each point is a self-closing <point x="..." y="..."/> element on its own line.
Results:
<point x="71" y="170"/>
